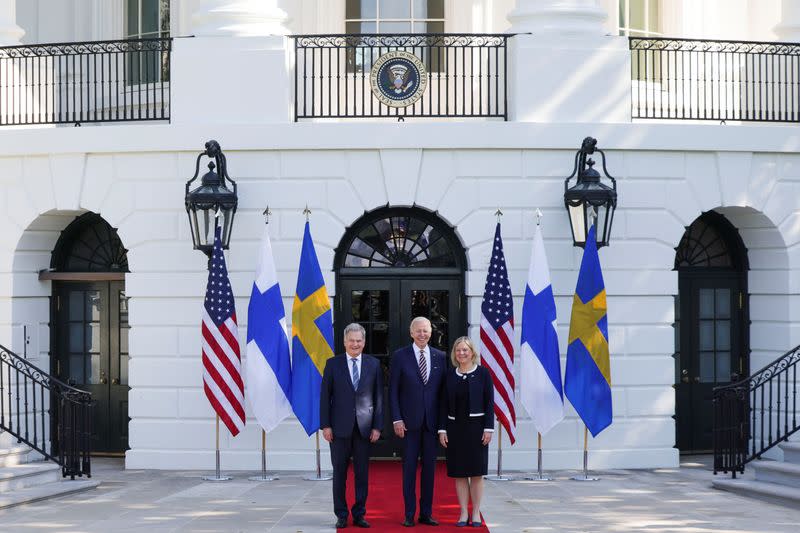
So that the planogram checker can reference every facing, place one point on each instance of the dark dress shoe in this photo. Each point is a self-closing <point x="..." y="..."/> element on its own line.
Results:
<point x="428" y="521"/>
<point x="341" y="523"/>
<point x="360" y="522"/>
<point x="408" y="522"/>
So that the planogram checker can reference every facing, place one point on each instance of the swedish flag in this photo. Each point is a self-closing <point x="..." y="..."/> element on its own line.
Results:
<point x="312" y="336"/>
<point x="587" y="382"/>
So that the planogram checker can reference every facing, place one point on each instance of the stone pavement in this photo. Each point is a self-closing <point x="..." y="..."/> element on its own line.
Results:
<point x="666" y="500"/>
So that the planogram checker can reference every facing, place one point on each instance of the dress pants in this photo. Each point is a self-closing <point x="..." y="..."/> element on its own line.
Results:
<point x="342" y="448"/>
<point x="418" y="442"/>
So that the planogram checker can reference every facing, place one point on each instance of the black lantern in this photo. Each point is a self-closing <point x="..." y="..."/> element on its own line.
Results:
<point x="211" y="204"/>
<point x="589" y="201"/>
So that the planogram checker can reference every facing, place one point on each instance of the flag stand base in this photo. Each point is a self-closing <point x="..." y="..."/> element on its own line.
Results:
<point x="585" y="477"/>
<point x="217" y="478"/>
<point x="263" y="478"/>
<point x="538" y="477"/>
<point x="322" y="476"/>
<point x="498" y="478"/>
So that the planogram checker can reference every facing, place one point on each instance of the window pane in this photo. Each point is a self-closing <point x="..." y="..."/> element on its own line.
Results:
<point x="93" y="305"/>
<point x="429" y="9"/>
<point x="76" y="305"/>
<point x="380" y="339"/>
<point x="723" y="367"/>
<point x="395" y="27"/>
<point x="706" y="303"/>
<point x="150" y="16"/>
<point x="395" y="9"/>
<point x="133" y="18"/>
<point x="707" y="367"/>
<point x="723" y="304"/>
<point x="360" y="303"/>
<point x="164" y="17"/>
<point x="123" y="369"/>
<point x="76" y="368"/>
<point x="723" y="335"/>
<point x="706" y="333"/>
<point x="76" y="337"/>
<point x="637" y="14"/>
<point x="93" y="337"/>
<point x="361" y="9"/>
<point x="429" y="27"/>
<point x="360" y="27"/>
<point x="380" y="305"/>
<point x="94" y="376"/>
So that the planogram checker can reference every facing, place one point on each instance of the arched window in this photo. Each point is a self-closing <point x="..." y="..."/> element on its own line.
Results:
<point x="400" y="238"/>
<point x="711" y="242"/>
<point x="89" y="244"/>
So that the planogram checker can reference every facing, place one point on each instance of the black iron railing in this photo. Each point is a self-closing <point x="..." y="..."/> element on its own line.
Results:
<point x="34" y="404"/>
<point x="465" y="74"/>
<point x="99" y="81"/>
<point x="715" y="80"/>
<point x="755" y="414"/>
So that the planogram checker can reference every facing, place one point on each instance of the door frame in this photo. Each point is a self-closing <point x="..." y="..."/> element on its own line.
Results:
<point x="109" y="336"/>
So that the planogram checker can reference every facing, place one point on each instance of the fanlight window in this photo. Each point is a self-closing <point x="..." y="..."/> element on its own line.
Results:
<point x="704" y="246"/>
<point x="400" y="241"/>
<point x="89" y="244"/>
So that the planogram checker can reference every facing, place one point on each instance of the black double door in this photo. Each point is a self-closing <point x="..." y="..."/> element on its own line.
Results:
<point x="91" y="353"/>
<point x="711" y="335"/>
<point x="385" y="307"/>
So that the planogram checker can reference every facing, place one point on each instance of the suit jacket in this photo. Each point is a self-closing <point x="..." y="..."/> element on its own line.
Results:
<point x="481" y="397"/>
<point x="341" y="407"/>
<point x="410" y="400"/>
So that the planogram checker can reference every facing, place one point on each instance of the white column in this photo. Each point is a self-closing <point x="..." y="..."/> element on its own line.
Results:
<point x="564" y="67"/>
<point x="10" y="33"/>
<point x="239" y="18"/>
<point x="788" y="29"/>
<point x="558" y="17"/>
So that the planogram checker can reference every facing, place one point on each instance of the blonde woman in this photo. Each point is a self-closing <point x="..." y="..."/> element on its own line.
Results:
<point x="466" y="424"/>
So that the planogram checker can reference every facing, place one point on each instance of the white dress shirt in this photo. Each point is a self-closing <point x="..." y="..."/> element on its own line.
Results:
<point x="350" y="359"/>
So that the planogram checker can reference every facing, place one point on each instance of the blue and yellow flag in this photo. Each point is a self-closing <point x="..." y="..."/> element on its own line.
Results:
<point x="312" y="336"/>
<point x="587" y="382"/>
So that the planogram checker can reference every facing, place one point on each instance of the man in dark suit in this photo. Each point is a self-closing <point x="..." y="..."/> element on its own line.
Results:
<point x="415" y="379"/>
<point x="350" y="415"/>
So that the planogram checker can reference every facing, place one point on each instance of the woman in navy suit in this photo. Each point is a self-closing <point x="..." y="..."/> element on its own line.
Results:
<point x="466" y="423"/>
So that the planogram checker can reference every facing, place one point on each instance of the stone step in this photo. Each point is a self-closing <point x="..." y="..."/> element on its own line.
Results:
<point x="769" y="492"/>
<point x="791" y="452"/>
<point x="777" y="472"/>
<point x="28" y="475"/>
<point x="15" y="455"/>
<point x="46" y="491"/>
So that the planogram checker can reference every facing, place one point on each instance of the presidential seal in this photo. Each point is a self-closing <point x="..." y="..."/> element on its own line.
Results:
<point x="398" y="79"/>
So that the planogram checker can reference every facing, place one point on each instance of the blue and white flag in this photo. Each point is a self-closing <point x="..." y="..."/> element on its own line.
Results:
<point x="269" y="371"/>
<point x="541" y="391"/>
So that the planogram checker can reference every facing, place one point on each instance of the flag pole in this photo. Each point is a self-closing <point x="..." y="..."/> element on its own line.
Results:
<point x="217" y="477"/>
<point x="499" y="476"/>
<point x="263" y="476"/>
<point x="318" y="476"/>
<point x="585" y="476"/>
<point x="539" y="475"/>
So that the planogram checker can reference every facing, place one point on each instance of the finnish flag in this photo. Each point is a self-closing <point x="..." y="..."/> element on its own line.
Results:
<point x="541" y="391"/>
<point x="268" y="366"/>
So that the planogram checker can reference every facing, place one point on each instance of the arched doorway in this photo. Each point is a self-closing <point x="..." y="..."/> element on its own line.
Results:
<point x="711" y="324"/>
<point x="89" y="346"/>
<point x="391" y="265"/>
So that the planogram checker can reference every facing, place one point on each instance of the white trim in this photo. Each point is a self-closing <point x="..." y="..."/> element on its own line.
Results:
<point x="475" y="415"/>
<point x="451" y="417"/>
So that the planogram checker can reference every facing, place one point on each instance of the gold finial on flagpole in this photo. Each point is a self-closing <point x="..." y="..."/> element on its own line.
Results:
<point x="267" y="213"/>
<point x="306" y="212"/>
<point x="498" y="214"/>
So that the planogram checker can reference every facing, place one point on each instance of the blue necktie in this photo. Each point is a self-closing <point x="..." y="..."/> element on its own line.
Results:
<point x="355" y="373"/>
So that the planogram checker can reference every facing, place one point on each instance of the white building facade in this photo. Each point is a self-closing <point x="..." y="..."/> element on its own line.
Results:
<point x="702" y="273"/>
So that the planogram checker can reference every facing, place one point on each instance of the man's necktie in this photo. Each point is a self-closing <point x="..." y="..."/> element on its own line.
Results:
<point x="423" y="367"/>
<point x="355" y="373"/>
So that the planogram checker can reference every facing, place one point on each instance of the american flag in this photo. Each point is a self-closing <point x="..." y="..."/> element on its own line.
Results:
<point x="222" y="369"/>
<point x="497" y="334"/>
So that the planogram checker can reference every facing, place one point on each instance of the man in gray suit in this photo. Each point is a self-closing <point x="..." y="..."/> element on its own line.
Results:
<point x="350" y="415"/>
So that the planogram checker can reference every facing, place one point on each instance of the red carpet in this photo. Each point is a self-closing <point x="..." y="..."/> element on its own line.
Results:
<point x="385" y="501"/>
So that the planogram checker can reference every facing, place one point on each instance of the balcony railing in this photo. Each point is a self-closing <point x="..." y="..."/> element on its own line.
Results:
<point x="72" y="83"/>
<point x="715" y="80"/>
<point x="463" y="75"/>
